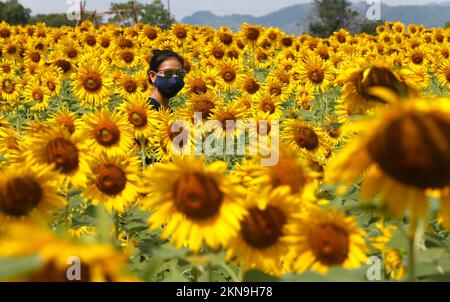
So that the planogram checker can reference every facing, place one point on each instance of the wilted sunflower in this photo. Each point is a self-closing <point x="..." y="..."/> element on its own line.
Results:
<point x="326" y="238"/>
<point x="196" y="203"/>
<point x="405" y="152"/>
<point x="92" y="83"/>
<point x="28" y="192"/>
<point x="63" y="117"/>
<point x="63" y="152"/>
<point x="260" y="244"/>
<point x="114" y="182"/>
<point x="108" y="132"/>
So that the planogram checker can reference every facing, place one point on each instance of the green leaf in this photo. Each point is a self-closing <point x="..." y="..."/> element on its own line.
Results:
<point x="258" y="276"/>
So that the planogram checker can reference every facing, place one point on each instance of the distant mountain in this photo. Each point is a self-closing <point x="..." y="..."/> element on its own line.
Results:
<point x="295" y="19"/>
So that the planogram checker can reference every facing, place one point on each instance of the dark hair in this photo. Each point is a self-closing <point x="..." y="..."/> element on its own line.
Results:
<point x="159" y="56"/>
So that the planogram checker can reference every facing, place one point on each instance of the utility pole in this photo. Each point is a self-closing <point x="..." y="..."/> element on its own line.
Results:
<point x="168" y="6"/>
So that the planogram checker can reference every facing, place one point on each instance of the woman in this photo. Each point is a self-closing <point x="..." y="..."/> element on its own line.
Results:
<point x="166" y="74"/>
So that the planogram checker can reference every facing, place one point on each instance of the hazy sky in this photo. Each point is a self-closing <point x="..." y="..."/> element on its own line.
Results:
<point x="182" y="8"/>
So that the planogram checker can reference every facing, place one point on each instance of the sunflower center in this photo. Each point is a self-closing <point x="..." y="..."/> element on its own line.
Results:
<point x="64" y="65"/>
<point x="262" y="229"/>
<point x="51" y="86"/>
<point x="268" y="106"/>
<point x="226" y="38"/>
<point x="205" y="107"/>
<point x="316" y="75"/>
<point x="38" y="95"/>
<point x="11" y="50"/>
<point x="288" y="172"/>
<point x="8" y="86"/>
<point x="130" y="86"/>
<point x="228" y="116"/>
<point x="251" y="86"/>
<point x="330" y="244"/>
<point x="417" y="58"/>
<point x="63" y="153"/>
<point x="5" y="33"/>
<point x="35" y="57"/>
<point x="90" y="40"/>
<point x="92" y="82"/>
<point x="111" y="180"/>
<point x="128" y="56"/>
<point x="306" y="138"/>
<point x="218" y="52"/>
<point x="276" y="91"/>
<point x="252" y="34"/>
<point x="50" y="272"/>
<point x="447" y="74"/>
<point x="137" y="119"/>
<point x="107" y="133"/>
<point x="199" y="86"/>
<point x="72" y="53"/>
<point x="414" y="149"/>
<point x="197" y="196"/>
<point x="228" y="74"/>
<point x="20" y="196"/>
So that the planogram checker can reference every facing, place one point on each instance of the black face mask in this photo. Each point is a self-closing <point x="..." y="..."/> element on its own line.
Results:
<point x="169" y="87"/>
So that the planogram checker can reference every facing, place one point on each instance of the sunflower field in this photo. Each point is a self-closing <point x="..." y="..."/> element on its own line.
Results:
<point x="361" y="189"/>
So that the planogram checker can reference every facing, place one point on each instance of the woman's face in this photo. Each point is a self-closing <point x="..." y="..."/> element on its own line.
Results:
<point x="169" y="64"/>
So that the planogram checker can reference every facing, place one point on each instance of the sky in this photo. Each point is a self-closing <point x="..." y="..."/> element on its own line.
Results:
<point x="182" y="8"/>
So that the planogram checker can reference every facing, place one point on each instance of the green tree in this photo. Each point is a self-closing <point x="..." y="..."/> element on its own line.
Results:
<point x="55" y="20"/>
<point x="154" y="13"/>
<point x="447" y="25"/>
<point x="12" y="12"/>
<point x="369" y="27"/>
<point x="331" y="15"/>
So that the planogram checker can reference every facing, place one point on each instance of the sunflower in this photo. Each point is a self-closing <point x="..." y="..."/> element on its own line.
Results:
<point x="126" y="58"/>
<point x="63" y="152"/>
<point x="65" y="118"/>
<point x="28" y="192"/>
<point x="326" y="238"/>
<point x="216" y="50"/>
<point x="250" y="85"/>
<point x="196" y="84"/>
<point x="70" y="49"/>
<point x="268" y="103"/>
<point x="250" y="34"/>
<point x="33" y="56"/>
<point x="195" y="202"/>
<point x="140" y="116"/>
<point x="114" y="182"/>
<point x="11" y="49"/>
<point x="51" y="79"/>
<point x="418" y="56"/>
<point x="10" y="88"/>
<point x="277" y="89"/>
<point x="304" y="138"/>
<point x="98" y="262"/>
<point x="37" y="95"/>
<point x="11" y="145"/>
<point x="203" y="104"/>
<point x="443" y="74"/>
<point x="128" y="86"/>
<point x="107" y="132"/>
<point x="404" y="171"/>
<point x="318" y="72"/>
<point x="92" y="84"/>
<point x="393" y="260"/>
<point x="230" y="73"/>
<point x="361" y="83"/>
<point x="260" y="242"/>
<point x="228" y="115"/>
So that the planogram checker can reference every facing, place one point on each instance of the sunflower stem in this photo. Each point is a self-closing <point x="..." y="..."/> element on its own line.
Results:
<point x="241" y="272"/>
<point x="412" y="253"/>
<point x="116" y="228"/>
<point x="143" y="153"/>
<point x="210" y="272"/>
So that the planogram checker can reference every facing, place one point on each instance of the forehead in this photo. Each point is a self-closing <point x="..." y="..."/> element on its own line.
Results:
<point x="170" y="63"/>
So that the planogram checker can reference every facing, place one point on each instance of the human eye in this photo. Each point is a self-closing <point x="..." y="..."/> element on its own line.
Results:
<point x="169" y="73"/>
